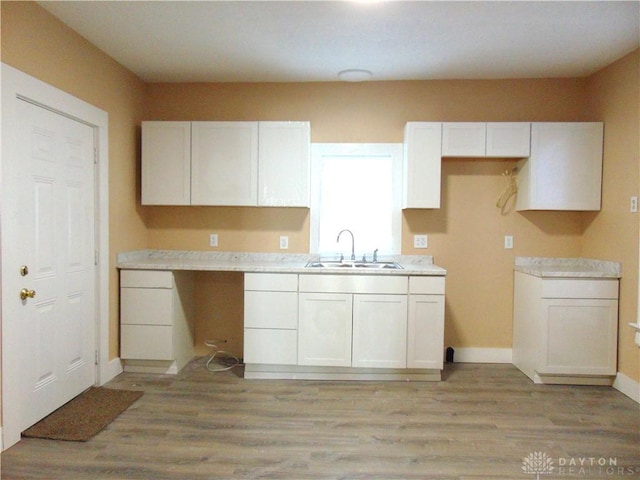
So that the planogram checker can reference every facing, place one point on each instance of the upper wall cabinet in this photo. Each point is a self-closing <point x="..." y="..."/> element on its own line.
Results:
<point x="478" y="139"/>
<point x="283" y="167"/>
<point x="166" y="163"/>
<point x="564" y="171"/>
<point x="226" y="163"/>
<point x="421" y="165"/>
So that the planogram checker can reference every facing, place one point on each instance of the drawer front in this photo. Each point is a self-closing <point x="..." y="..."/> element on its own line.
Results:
<point x="146" y="342"/>
<point x="354" y="284"/>
<point x="271" y="282"/>
<point x="146" y="306"/>
<point x="579" y="288"/>
<point x="146" y="278"/>
<point x="271" y="310"/>
<point x="426" y="285"/>
<point x="275" y="347"/>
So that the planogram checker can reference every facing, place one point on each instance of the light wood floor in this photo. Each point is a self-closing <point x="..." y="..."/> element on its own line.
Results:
<point x="479" y="423"/>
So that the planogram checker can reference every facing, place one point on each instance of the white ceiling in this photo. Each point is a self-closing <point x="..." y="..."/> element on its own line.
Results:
<point x="284" y="41"/>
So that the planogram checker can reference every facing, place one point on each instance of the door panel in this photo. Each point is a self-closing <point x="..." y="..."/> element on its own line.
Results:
<point x="48" y="226"/>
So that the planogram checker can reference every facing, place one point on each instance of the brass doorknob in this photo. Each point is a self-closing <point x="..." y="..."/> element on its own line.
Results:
<point x="24" y="294"/>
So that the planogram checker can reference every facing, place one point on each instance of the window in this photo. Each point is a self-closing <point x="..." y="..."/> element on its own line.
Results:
<point x="357" y="187"/>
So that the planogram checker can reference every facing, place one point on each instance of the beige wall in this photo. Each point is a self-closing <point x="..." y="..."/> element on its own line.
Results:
<point x="465" y="235"/>
<point x="614" y="97"/>
<point x="38" y="44"/>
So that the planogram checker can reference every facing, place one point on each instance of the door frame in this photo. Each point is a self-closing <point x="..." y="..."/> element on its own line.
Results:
<point x="17" y="84"/>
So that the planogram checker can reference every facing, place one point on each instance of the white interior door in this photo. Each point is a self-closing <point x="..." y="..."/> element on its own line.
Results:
<point x="48" y="249"/>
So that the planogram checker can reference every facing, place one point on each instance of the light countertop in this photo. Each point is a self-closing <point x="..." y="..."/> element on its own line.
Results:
<point x="548" y="267"/>
<point x="264" y="262"/>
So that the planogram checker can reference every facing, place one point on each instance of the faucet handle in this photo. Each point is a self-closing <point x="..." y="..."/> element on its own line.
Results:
<point x="375" y="256"/>
<point x="364" y="258"/>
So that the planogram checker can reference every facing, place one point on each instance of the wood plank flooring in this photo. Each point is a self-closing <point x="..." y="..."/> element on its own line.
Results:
<point x="479" y="423"/>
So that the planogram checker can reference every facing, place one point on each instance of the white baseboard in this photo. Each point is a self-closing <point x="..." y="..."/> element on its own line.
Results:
<point x="482" y="355"/>
<point x="110" y="370"/>
<point x="629" y="387"/>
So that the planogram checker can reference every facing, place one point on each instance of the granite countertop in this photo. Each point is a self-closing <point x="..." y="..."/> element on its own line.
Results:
<point x="264" y="262"/>
<point x="548" y="267"/>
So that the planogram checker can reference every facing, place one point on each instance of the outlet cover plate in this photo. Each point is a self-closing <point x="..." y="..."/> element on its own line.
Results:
<point x="508" y="241"/>
<point x="420" y="241"/>
<point x="284" y="243"/>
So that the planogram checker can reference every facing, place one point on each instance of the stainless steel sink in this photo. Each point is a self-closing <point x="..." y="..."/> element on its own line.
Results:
<point x="338" y="264"/>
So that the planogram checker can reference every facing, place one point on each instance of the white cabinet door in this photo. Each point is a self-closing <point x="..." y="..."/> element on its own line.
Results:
<point x="380" y="331"/>
<point x="461" y="139"/>
<point x="166" y="163"/>
<point x="422" y="165"/>
<point x="283" y="164"/>
<point x="324" y="329"/>
<point x="425" y="337"/>
<point x="579" y="337"/>
<point x="224" y="163"/>
<point x="508" y="139"/>
<point x="564" y="171"/>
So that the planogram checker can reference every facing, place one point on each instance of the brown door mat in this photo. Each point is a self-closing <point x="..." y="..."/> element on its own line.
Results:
<point x="84" y="416"/>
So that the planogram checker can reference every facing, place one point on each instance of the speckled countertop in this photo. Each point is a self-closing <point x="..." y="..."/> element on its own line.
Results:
<point x="264" y="262"/>
<point x="568" y="267"/>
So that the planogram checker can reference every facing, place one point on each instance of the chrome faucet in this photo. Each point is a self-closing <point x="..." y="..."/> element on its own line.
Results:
<point x="353" y="242"/>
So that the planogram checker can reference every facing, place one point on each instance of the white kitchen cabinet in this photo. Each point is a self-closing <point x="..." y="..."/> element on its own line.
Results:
<point x="492" y="139"/>
<point x="565" y="329"/>
<point x="263" y="164"/>
<point x="224" y="163"/>
<point x="508" y="139"/>
<point x="325" y="329"/>
<point x="270" y="318"/>
<point x="156" y="320"/>
<point x="345" y="318"/>
<point x="379" y="331"/>
<point x="166" y="163"/>
<point x="421" y="168"/>
<point x="425" y="338"/>
<point x="283" y="164"/>
<point x="464" y="139"/>
<point x="564" y="170"/>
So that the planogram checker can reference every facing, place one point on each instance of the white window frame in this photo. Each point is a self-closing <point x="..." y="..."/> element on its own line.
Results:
<point x="320" y="151"/>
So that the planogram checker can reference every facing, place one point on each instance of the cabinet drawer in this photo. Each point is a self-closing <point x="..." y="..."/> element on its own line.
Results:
<point x="276" y="347"/>
<point x="579" y="288"/>
<point x="271" y="282"/>
<point x="353" y="284"/>
<point x="271" y="310"/>
<point x="146" y="342"/>
<point x="145" y="306"/>
<point x="426" y="285"/>
<point x="146" y="278"/>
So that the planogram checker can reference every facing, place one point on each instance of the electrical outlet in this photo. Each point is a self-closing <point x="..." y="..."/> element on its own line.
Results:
<point x="213" y="240"/>
<point x="284" y="243"/>
<point x="420" y="241"/>
<point x="634" y="205"/>
<point x="508" y="241"/>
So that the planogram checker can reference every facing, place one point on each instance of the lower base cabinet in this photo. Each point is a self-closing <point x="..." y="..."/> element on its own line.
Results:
<point x="565" y="330"/>
<point x="156" y="320"/>
<point x="270" y="319"/>
<point x="324" y="326"/>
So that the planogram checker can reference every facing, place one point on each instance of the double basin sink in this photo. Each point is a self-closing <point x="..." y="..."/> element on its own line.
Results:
<point x="343" y="264"/>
